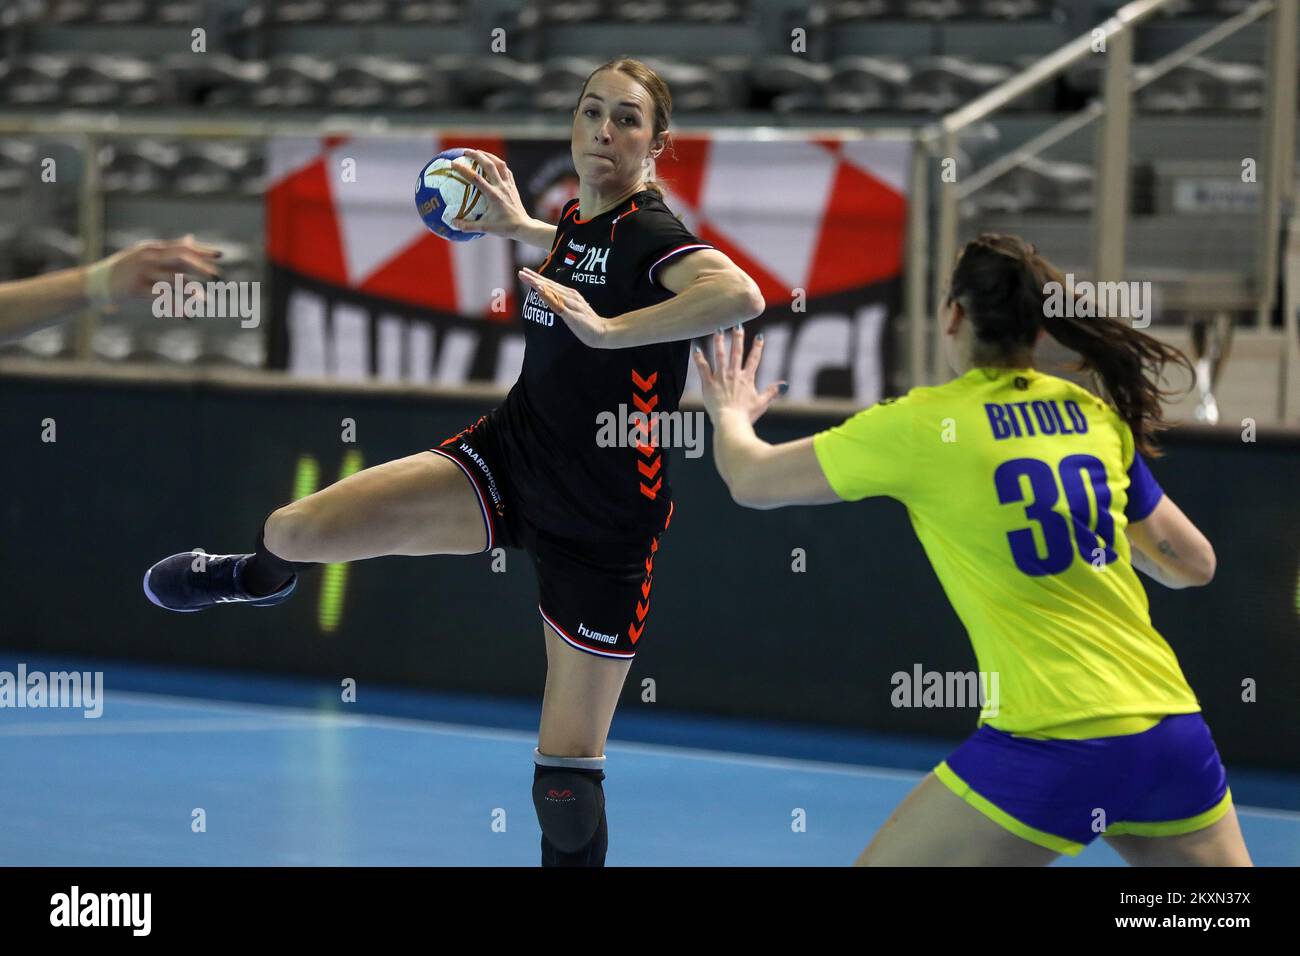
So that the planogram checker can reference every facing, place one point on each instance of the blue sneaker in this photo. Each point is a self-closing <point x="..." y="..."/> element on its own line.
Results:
<point x="173" y="583"/>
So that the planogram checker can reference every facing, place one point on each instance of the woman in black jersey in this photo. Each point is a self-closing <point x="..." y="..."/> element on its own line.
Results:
<point x="537" y="472"/>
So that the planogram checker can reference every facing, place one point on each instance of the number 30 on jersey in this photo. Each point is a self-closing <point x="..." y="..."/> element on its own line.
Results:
<point x="1093" y="535"/>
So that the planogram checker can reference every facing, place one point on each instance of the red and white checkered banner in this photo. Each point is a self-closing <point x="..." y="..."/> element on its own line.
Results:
<point x="362" y="290"/>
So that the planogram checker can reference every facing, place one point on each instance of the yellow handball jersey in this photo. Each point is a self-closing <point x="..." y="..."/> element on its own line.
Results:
<point x="1020" y="485"/>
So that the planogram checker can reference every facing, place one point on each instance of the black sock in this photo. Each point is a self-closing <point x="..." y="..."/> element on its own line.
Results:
<point x="265" y="572"/>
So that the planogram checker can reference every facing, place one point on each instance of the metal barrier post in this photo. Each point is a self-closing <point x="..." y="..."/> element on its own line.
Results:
<point x="914" y="296"/>
<point x="1110" y="194"/>
<point x="1278" y="152"/>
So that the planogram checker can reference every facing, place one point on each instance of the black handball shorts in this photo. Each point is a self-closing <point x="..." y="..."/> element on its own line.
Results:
<point x="594" y="595"/>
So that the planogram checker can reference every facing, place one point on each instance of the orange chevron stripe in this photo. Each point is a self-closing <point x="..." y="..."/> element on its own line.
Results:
<point x="634" y="632"/>
<point x="645" y="406"/>
<point x="645" y="588"/>
<point x="645" y="449"/>
<point x="650" y="471"/>
<point x="654" y="545"/>
<point x="642" y="610"/>
<point x="653" y="490"/>
<point x="645" y="384"/>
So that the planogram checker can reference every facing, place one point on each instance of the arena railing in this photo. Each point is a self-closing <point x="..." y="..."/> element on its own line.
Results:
<point x="1215" y="294"/>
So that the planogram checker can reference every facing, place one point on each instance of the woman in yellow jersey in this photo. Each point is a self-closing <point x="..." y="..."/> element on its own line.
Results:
<point x="1033" y="502"/>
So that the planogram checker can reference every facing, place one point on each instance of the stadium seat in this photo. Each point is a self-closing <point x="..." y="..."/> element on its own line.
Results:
<point x="18" y="163"/>
<point x="641" y="11"/>
<point x="362" y="12"/>
<point x="113" y="81"/>
<point x="442" y="11"/>
<point x="561" y="78"/>
<point x="565" y="11"/>
<point x="847" y="11"/>
<point x="1202" y="84"/>
<point x="70" y="11"/>
<point x="213" y="167"/>
<point x="695" y="87"/>
<point x="712" y="11"/>
<point x="1039" y="185"/>
<point x="44" y="249"/>
<point x="214" y="79"/>
<point x="295" y="81"/>
<point x="1014" y="9"/>
<point x="50" y="343"/>
<point x="179" y="11"/>
<point x="35" y="80"/>
<point x="789" y="83"/>
<point x="861" y="84"/>
<point x="932" y="9"/>
<point x="498" y="83"/>
<point x="124" y="11"/>
<point x="138" y="166"/>
<point x="943" y="83"/>
<point x="371" y="82"/>
<point x="18" y="12"/>
<point x="297" y="11"/>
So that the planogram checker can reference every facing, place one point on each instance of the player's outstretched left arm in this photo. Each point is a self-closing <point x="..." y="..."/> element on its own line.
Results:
<point x="758" y="474"/>
<point x="30" y="304"/>
<point x="709" y="291"/>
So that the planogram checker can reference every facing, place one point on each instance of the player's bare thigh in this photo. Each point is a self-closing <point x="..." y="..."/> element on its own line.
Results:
<point x="420" y="504"/>
<point x="934" y="827"/>
<point x="1219" y="844"/>
<point x="581" y="695"/>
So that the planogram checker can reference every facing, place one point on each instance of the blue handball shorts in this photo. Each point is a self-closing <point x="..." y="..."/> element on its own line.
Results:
<point x="1063" y="794"/>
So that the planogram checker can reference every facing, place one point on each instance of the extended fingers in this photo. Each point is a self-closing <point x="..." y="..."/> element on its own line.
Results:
<point x="737" y="348"/>
<point x="482" y="182"/>
<point x="188" y="263"/>
<point x="702" y="366"/>
<point x="494" y="166"/>
<point x="720" y="352"/>
<point x="554" y="293"/>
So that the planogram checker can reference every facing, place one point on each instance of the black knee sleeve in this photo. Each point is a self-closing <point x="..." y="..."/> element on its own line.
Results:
<point x="570" y="804"/>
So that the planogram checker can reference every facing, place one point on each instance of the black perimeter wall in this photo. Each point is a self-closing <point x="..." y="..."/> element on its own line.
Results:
<point x="139" y="471"/>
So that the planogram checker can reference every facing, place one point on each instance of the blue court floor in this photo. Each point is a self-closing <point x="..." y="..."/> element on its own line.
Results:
<point x="297" y="785"/>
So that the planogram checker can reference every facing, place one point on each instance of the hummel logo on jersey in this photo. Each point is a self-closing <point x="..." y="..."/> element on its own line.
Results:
<point x="585" y="271"/>
<point x="596" y="635"/>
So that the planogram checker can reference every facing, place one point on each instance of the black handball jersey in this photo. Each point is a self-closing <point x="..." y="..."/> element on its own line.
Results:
<point x="575" y="476"/>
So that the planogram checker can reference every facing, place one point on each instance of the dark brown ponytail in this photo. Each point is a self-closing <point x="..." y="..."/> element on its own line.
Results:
<point x="1002" y="285"/>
